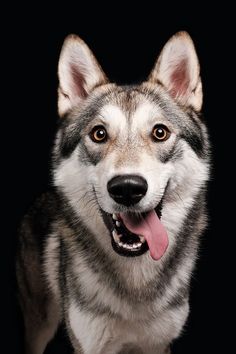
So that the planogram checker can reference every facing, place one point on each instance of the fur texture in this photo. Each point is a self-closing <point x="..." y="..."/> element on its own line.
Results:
<point x="67" y="268"/>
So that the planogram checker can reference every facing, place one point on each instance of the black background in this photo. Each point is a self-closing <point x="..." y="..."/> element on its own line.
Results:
<point x="126" y="44"/>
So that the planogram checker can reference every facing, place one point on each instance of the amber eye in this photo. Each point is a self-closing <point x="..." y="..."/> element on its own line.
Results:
<point x="160" y="133"/>
<point x="98" y="134"/>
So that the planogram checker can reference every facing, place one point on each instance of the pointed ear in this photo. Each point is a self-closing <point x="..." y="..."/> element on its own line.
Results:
<point x="79" y="73"/>
<point x="177" y="69"/>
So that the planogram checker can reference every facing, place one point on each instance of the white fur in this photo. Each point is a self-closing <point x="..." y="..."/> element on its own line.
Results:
<point x="109" y="335"/>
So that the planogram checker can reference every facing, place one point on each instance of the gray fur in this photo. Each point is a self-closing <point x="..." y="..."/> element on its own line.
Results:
<point x="66" y="267"/>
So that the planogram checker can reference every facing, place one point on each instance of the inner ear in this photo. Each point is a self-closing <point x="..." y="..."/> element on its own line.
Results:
<point x="180" y="79"/>
<point x="177" y="69"/>
<point x="78" y="81"/>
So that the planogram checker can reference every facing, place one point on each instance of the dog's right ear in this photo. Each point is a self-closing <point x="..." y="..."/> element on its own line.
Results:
<point x="79" y="73"/>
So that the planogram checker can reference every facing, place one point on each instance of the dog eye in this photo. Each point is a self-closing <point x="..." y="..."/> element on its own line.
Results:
<point x="160" y="132"/>
<point x="98" y="134"/>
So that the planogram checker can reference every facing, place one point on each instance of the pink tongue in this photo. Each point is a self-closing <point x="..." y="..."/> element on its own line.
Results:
<point x="151" y="228"/>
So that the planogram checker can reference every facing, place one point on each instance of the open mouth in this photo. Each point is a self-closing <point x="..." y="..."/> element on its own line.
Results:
<point x="125" y="242"/>
<point x="133" y="234"/>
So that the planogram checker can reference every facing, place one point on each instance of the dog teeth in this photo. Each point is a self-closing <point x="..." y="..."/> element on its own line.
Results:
<point x="127" y="246"/>
<point x="133" y="247"/>
<point x="116" y="236"/>
<point x="130" y="247"/>
<point x="118" y="223"/>
<point x="114" y="216"/>
<point x="142" y="239"/>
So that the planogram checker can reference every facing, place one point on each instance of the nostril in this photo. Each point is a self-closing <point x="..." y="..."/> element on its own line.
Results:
<point x="127" y="189"/>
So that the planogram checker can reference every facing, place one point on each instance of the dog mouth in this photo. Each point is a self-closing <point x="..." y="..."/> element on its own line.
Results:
<point x="134" y="233"/>
<point x="125" y="242"/>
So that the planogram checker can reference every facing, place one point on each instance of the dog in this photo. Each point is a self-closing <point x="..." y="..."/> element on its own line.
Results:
<point x="110" y="249"/>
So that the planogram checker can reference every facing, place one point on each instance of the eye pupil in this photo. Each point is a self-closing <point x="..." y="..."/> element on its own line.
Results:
<point x="100" y="134"/>
<point x="160" y="132"/>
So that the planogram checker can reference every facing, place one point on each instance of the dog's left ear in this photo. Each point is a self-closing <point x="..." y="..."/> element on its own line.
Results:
<point x="79" y="73"/>
<point x="177" y="69"/>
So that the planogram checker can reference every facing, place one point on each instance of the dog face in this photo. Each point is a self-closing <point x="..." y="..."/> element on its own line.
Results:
<point x="125" y="155"/>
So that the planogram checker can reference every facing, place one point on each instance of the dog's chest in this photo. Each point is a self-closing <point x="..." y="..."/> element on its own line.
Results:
<point x="118" y="331"/>
<point x="126" y="293"/>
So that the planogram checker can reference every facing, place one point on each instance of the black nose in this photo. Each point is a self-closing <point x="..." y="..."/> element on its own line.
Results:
<point x="128" y="189"/>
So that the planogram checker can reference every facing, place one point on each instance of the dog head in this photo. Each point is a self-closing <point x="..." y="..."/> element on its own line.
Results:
<point x="130" y="159"/>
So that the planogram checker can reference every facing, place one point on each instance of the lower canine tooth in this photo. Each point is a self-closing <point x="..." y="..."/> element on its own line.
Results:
<point x="118" y="223"/>
<point x="116" y="236"/>
<point x="142" y="239"/>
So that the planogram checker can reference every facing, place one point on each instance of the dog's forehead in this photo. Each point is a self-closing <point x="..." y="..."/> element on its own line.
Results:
<point x="134" y="110"/>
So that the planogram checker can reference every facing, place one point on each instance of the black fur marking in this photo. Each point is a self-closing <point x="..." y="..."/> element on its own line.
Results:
<point x="173" y="155"/>
<point x="69" y="140"/>
<point x="88" y="157"/>
<point x="87" y="303"/>
<point x="195" y="141"/>
<point x="179" y="299"/>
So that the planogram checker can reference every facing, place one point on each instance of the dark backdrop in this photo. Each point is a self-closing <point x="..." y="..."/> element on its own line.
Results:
<point x="126" y="45"/>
